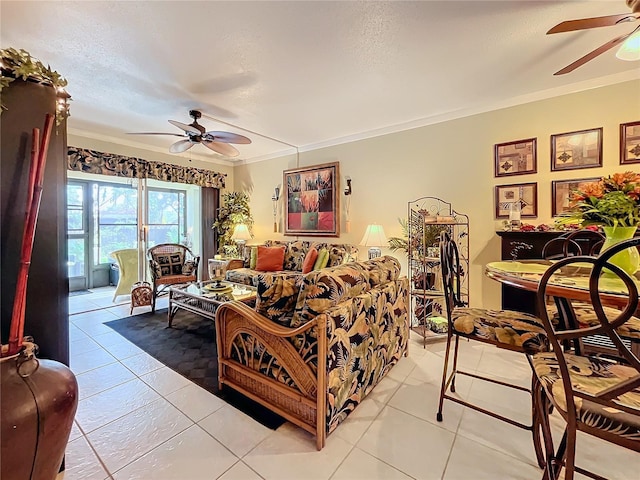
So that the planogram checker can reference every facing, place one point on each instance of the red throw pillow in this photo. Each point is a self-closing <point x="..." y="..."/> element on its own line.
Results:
<point x="309" y="260"/>
<point x="270" y="259"/>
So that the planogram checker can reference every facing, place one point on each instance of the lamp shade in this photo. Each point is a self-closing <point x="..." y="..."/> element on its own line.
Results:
<point x="241" y="232"/>
<point x="374" y="236"/>
<point x="630" y="49"/>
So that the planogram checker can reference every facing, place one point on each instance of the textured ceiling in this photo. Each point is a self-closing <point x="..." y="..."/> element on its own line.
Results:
<point x="304" y="72"/>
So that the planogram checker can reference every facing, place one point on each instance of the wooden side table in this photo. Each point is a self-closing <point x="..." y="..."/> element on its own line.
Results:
<point x="223" y="264"/>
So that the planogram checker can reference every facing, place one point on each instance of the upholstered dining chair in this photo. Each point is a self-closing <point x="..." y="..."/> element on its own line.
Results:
<point x="127" y="260"/>
<point x="574" y="314"/>
<point x="170" y="264"/>
<point x="595" y="395"/>
<point x="510" y="330"/>
<point x="578" y="242"/>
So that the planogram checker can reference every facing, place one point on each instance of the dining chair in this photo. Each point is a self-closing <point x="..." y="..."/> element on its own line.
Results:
<point x="595" y="395"/>
<point x="578" y="313"/>
<point x="509" y="330"/>
<point x="578" y="242"/>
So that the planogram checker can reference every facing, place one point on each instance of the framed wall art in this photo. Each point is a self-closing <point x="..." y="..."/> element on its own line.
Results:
<point x="629" y="143"/>
<point x="526" y="194"/>
<point x="312" y="200"/>
<point x="561" y="193"/>
<point x="575" y="150"/>
<point x="515" y="158"/>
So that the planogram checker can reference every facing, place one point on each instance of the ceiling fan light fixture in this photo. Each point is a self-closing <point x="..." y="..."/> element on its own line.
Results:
<point x="630" y="49"/>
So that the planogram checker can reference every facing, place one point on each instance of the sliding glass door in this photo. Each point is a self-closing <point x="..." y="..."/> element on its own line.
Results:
<point x="104" y="216"/>
<point x="77" y="236"/>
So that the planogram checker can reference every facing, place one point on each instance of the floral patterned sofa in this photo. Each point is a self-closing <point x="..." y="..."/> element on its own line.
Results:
<point x="295" y="253"/>
<point x="316" y="344"/>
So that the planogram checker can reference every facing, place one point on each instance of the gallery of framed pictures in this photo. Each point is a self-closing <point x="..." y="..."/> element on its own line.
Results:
<point x="561" y="193"/>
<point x="629" y="143"/>
<point x="574" y="150"/>
<point x="312" y="201"/>
<point x="523" y="194"/>
<point x="515" y="158"/>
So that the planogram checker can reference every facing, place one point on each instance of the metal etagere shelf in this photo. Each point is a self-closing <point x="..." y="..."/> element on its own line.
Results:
<point x="427" y="218"/>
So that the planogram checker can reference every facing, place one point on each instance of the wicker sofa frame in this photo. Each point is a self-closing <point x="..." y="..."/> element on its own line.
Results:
<point x="290" y="369"/>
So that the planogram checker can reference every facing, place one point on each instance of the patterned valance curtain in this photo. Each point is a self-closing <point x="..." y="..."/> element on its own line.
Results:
<point x="92" y="161"/>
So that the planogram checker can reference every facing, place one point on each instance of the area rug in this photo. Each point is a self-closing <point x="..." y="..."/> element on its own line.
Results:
<point x="189" y="348"/>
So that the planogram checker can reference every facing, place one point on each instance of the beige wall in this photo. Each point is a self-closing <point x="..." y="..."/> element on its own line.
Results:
<point x="452" y="160"/>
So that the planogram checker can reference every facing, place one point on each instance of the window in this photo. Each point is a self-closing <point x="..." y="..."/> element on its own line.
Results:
<point x="167" y="219"/>
<point x="115" y="215"/>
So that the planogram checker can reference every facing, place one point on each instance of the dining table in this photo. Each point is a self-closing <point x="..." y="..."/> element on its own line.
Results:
<point x="569" y="283"/>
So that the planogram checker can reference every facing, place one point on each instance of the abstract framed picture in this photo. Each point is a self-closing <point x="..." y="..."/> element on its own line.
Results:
<point x="524" y="193"/>
<point x="561" y="193"/>
<point x="573" y="150"/>
<point x="312" y="201"/>
<point x="629" y="143"/>
<point x="515" y="158"/>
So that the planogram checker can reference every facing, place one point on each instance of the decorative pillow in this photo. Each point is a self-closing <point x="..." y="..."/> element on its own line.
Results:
<point x="189" y="267"/>
<point x="322" y="260"/>
<point x="337" y="253"/>
<point x="270" y="259"/>
<point x="277" y="294"/>
<point x="294" y="255"/>
<point x="309" y="260"/>
<point x="253" y="258"/>
<point x="169" y="263"/>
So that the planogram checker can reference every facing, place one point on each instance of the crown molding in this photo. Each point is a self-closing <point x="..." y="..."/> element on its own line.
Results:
<point x="478" y="109"/>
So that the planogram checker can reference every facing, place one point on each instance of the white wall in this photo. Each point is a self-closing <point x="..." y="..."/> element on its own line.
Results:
<point x="454" y="161"/>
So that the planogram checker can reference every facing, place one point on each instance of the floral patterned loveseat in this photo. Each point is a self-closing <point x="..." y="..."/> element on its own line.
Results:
<point x="294" y="255"/>
<point x="315" y="345"/>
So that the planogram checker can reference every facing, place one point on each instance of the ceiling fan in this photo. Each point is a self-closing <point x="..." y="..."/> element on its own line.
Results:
<point x="595" y="22"/>
<point x="195" y="133"/>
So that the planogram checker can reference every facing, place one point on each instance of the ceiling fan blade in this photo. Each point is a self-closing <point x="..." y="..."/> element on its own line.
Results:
<point x="155" y="133"/>
<point x="181" y="146"/>
<point x="594" y="22"/>
<point x="185" y="127"/>
<point x="222" y="148"/>
<point x="593" y="54"/>
<point x="227" y="137"/>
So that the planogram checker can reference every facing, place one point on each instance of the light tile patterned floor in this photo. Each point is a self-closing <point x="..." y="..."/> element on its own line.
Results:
<point x="137" y="419"/>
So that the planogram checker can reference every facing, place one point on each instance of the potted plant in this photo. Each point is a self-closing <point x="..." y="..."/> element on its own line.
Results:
<point x="234" y="210"/>
<point x="612" y="203"/>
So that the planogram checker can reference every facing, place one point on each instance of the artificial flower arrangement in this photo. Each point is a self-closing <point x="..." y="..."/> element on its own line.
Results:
<point x="613" y="201"/>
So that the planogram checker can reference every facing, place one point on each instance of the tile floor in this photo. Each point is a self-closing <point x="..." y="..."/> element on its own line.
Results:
<point x="137" y="419"/>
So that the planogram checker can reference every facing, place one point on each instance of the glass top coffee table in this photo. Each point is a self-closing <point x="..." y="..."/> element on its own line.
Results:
<point x="204" y="298"/>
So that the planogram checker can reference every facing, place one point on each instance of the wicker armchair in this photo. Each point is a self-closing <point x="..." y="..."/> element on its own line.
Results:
<point x="170" y="264"/>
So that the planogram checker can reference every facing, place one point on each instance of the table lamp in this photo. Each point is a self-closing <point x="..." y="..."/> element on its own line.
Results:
<point x="374" y="238"/>
<point x="240" y="236"/>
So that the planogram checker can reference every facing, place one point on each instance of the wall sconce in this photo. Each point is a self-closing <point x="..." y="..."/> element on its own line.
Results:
<point x="274" y="198"/>
<point x="374" y="238"/>
<point x="347" y="203"/>
<point x="347" y="191"/>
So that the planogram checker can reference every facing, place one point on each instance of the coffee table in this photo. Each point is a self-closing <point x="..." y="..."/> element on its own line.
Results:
<point x="201" y="297"/>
